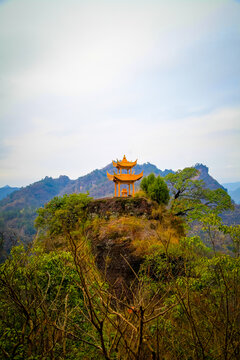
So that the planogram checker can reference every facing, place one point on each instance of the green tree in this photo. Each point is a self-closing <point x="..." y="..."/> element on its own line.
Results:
<point x="62" y="214"/>
<point x="155" y="188"/>
<point x="189" y="196"/>
<point x="42" y="308"/>
<point x="204" y="324"/>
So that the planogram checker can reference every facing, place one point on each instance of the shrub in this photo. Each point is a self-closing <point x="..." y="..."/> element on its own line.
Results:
<point x="155" y="188"/>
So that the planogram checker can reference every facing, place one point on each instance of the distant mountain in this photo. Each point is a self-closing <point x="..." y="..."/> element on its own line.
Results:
<point x="235" y="195"/>
<point x="209" y="181"/>
<point x="232" y="185"/>
<point x="96" y="183"/>
<point x="34" y="195"/>
<point x="233" y="190"/>
<point x="6" y="190"/>
<point x="18" y="209"/>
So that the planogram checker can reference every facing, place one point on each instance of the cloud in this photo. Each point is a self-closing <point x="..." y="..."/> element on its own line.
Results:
<point x="83" y="82"/>
<point x="69" y="48"/>
<point x="212" y="139"/>
<point x="173" y="144"/>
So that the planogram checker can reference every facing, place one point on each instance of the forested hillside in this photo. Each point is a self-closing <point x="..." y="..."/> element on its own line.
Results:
<point x="117" y="278"/>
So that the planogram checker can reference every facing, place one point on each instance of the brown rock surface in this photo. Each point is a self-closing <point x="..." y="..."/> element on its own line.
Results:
<point x="118" y="206"/>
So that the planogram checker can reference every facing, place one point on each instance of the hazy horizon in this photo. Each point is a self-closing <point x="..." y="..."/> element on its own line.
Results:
<point x="85" y="82"/>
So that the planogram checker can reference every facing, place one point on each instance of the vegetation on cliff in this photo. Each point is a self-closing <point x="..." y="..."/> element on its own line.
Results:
<point x="119" y="279"/>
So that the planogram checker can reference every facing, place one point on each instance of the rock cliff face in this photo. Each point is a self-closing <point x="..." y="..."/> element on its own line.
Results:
<point x="123" y="231"/>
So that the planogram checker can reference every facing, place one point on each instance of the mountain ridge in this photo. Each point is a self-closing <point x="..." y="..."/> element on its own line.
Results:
<point x="6" y="190"/>
<point x="95" y="182"/>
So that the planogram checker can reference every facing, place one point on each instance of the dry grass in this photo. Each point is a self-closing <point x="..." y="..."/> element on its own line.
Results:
<point x="142" y="235"/>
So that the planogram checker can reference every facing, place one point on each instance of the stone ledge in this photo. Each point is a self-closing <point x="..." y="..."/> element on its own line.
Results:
<point x="118" y="206"/>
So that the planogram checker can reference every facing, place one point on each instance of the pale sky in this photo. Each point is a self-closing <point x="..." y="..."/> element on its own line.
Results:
<point x="85" y="82"/>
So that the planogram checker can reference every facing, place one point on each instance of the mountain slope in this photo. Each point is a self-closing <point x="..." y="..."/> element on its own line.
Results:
<point x="234" y="191"/>
<point x="232" y="186"/>
<point x="209" y="181"/>
<point x="34" y="195"/>
<point x="235" y="195"/>
<point x="6" y="190"/>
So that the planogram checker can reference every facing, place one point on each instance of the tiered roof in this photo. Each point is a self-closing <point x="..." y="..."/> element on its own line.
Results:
<point x="124" y="164"/>
<point x="125" y="177"/>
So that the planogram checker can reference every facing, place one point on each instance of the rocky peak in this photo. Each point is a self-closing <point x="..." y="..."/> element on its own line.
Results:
<point x="204" y="175"/>
<point x="202" y="168"/>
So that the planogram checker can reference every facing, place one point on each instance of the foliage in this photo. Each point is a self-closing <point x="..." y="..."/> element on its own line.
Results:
<point x="10" y="221"/>
<point x="39" y="300"/>
<point x="62" y="215"/>
<point x="205" y="322"/>
<point x="182" y="304"/>
<point x="155" y="188"/>
<point x="191" y="198"/>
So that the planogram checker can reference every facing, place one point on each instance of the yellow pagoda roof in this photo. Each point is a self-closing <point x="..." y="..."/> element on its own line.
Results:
<point x="110" y="177"/>
<point x="124" y="163"/>
<point x="125" y="177"/>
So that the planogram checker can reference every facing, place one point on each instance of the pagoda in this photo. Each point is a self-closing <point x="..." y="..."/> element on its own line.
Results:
<point x="124" y="179"/>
